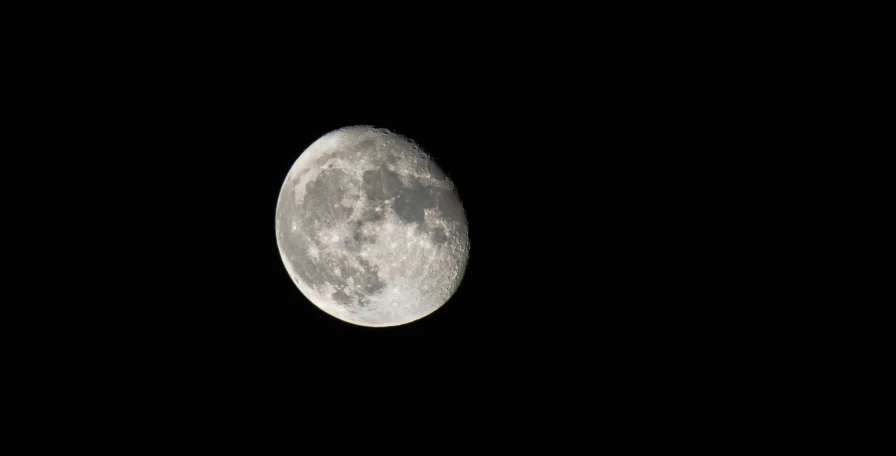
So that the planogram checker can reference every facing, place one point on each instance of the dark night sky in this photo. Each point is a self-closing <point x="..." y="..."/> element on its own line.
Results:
<point x="616" y="171"/>
<point x="565" y="185"/>
<point x="578" y="177"/>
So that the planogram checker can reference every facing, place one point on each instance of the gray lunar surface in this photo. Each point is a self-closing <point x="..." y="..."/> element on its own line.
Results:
<point x="370" y="229"/>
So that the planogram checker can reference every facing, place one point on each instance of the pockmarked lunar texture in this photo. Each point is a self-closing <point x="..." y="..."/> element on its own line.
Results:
<point x="370" y="228"/>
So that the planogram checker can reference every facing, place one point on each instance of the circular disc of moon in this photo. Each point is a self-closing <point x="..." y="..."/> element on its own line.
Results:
<point x="370" y="229"/>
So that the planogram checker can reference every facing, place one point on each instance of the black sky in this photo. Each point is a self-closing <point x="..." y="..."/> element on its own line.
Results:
<point x="570" y="189"/>
<point x="582" y="175"/>
<point x="621" y="175"/>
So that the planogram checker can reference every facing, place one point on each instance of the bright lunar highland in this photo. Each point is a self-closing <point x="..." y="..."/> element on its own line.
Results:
<point x="370" y="228"/>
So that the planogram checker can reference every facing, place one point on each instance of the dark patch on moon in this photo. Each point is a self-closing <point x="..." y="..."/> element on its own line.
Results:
<point x="381" y="184"/>
<point x="372" y="215"/>
<point x="391" y="158"/>
<point x="343" y="298"/>
<point x="434" y="170"/>
<point x="366" y="278"/>
<point x="410" y="203"/>
<point x="323" y="198"/>
<point x="448" y="204"/>
<point x="438" y="236"/>
<point x="358" y="239"/>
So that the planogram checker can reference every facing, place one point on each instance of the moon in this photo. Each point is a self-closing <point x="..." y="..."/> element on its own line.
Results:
<point x="370" y="229"/>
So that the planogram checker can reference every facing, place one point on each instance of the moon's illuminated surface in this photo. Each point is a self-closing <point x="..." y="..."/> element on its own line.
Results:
<point x="370" y="228"/>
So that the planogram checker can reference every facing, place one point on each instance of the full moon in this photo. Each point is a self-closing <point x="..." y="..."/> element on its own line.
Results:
<point x="370" y="229"/>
